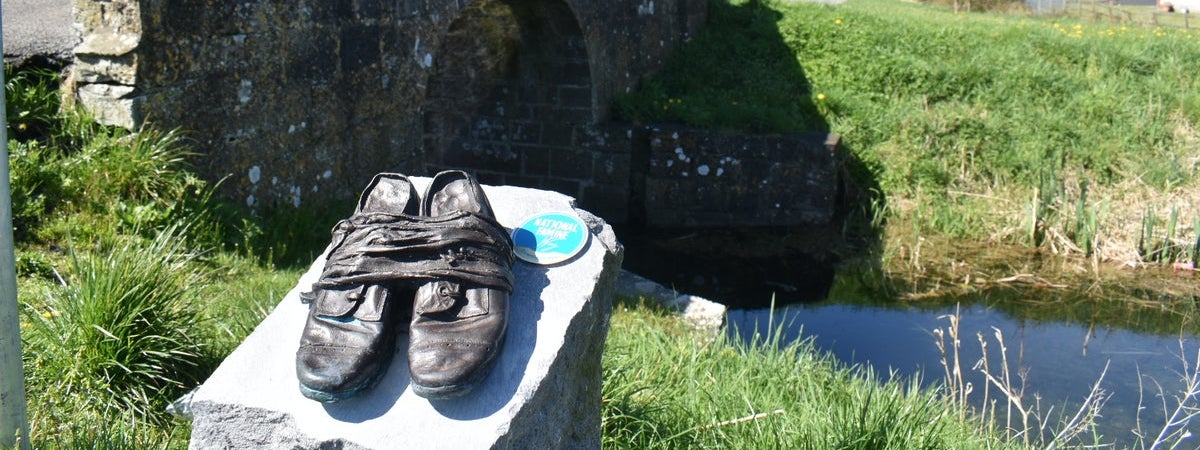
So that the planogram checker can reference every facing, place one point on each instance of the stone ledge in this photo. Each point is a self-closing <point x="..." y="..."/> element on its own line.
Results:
<point x="698" y="312"/>
<point x="544" y="391"/>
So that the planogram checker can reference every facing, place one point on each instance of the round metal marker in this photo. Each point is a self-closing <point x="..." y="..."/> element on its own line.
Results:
<point x="550" y="238"/>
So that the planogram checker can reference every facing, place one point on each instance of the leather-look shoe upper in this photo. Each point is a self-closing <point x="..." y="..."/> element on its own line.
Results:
<point x="349" y="337"/>
<point x="458" y="326"/>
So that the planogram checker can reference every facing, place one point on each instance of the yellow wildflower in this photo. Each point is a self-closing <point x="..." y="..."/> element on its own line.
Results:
<point x="821" y="97"/>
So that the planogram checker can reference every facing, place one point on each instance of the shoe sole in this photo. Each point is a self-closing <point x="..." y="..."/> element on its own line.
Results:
<point x="458" y="390"/>
<point x="448" y="392"/>
<point x="334" y="397"/>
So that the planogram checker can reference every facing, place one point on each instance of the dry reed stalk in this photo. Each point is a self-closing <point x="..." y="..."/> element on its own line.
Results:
<point x="1174" y="430"/>
<point x="1011" y="387"/>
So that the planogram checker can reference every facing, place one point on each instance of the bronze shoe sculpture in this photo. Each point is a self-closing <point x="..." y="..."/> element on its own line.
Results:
<point x="349" y="337"/>
<point x="460" y="317"/>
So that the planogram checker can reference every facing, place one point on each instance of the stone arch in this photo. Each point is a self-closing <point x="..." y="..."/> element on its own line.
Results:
<point x="510" y="94"/>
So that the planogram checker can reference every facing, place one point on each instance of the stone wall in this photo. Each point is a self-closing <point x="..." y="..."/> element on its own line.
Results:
<point x="511" y="98"/>
<point x="711" y="179"/>
<point x="304" y="100"/>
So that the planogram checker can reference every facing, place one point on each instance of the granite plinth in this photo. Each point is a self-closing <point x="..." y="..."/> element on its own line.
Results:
<point x="544" y="391"/>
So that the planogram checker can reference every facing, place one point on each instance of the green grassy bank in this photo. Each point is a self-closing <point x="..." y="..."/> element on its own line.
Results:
<point x="1054" y="137"/>
<point x="1072" y="138"/>
<point x="669" y="386"/>
<point x="135" y="281"/>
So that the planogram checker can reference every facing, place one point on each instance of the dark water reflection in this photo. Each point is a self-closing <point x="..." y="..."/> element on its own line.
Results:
<point x="1063" y="360"/>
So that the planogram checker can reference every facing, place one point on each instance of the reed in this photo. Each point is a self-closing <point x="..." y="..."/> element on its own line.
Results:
<point x="1005" y="403"/>
<point x="1182" y="408"/>
<point x="664" y="387"/>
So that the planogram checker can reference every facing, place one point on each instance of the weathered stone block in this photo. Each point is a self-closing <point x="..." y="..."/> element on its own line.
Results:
<point x="706" y="178"/>
<point x="699" y="312"/>
<point x="111" y="104"/>
<point x="544" y="391"/>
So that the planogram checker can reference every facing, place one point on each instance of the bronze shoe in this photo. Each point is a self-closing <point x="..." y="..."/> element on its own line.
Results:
<point x="349" y="337"/>
<point x="459" y="323"/>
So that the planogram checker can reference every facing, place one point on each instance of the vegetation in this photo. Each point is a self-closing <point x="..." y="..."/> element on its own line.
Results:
<point x="668" y="386"/>
<point x="1071" y="138"/>
<point x="135" y="280"/>
<point x="1054" y="136"/>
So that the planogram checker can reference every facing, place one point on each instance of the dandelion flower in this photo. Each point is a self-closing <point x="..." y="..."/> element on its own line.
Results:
<point x="837" y="21"/>
<point x="821" y="97"/>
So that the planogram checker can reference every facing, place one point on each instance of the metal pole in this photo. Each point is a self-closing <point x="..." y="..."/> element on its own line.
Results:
<point x="14" y="429"/>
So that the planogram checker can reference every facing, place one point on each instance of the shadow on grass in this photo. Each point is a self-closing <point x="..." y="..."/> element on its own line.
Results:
<point x="739" y="74"/>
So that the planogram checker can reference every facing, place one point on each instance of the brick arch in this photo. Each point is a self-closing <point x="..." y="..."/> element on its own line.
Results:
<point x="510" y="94"/>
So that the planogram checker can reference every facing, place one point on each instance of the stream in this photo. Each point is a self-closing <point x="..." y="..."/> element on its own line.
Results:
<point x="1062" y="360"/>
<point x="1139" y="324"/>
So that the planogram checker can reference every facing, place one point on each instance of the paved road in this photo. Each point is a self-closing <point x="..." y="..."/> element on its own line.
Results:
<point x="38" y="27"/>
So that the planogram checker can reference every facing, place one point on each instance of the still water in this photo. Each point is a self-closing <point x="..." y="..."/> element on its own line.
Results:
<point x="1062" y="338"/>
<point x="1062" y="360"/>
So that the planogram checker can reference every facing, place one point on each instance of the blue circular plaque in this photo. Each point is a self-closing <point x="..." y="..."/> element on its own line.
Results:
<point x="550" y="238"/>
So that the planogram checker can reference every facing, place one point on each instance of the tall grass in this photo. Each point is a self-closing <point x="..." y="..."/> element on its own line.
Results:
<point x="31" y="101"/>
<point x="1003" y="404"/>
<point x="135" y="277"/>
<point x="985" y="127"/>
<point x="666" y="387"/>
<point x="125" y="326"/>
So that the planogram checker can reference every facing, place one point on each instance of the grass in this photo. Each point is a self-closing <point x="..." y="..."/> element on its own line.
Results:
<point x="1073" y="138"/>
<point x="127" y="318"/>
<point x="136" y="281"/>
<point x="668" y="386"/>
<point x="982" y="126"/>
<point x="135" y="278"/>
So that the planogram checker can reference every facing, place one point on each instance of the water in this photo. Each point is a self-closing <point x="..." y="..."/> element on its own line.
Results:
<point x="1063" y="337"/>
<point x="1063" y="360"/>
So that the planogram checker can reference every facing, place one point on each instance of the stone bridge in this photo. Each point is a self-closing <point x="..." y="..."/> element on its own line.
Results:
<point x="300" y="102"/>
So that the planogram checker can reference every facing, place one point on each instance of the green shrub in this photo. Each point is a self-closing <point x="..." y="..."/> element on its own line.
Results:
<point x="124" y="330"/>
<point x="31" y="102"/>
<point x="35" y="182"/>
